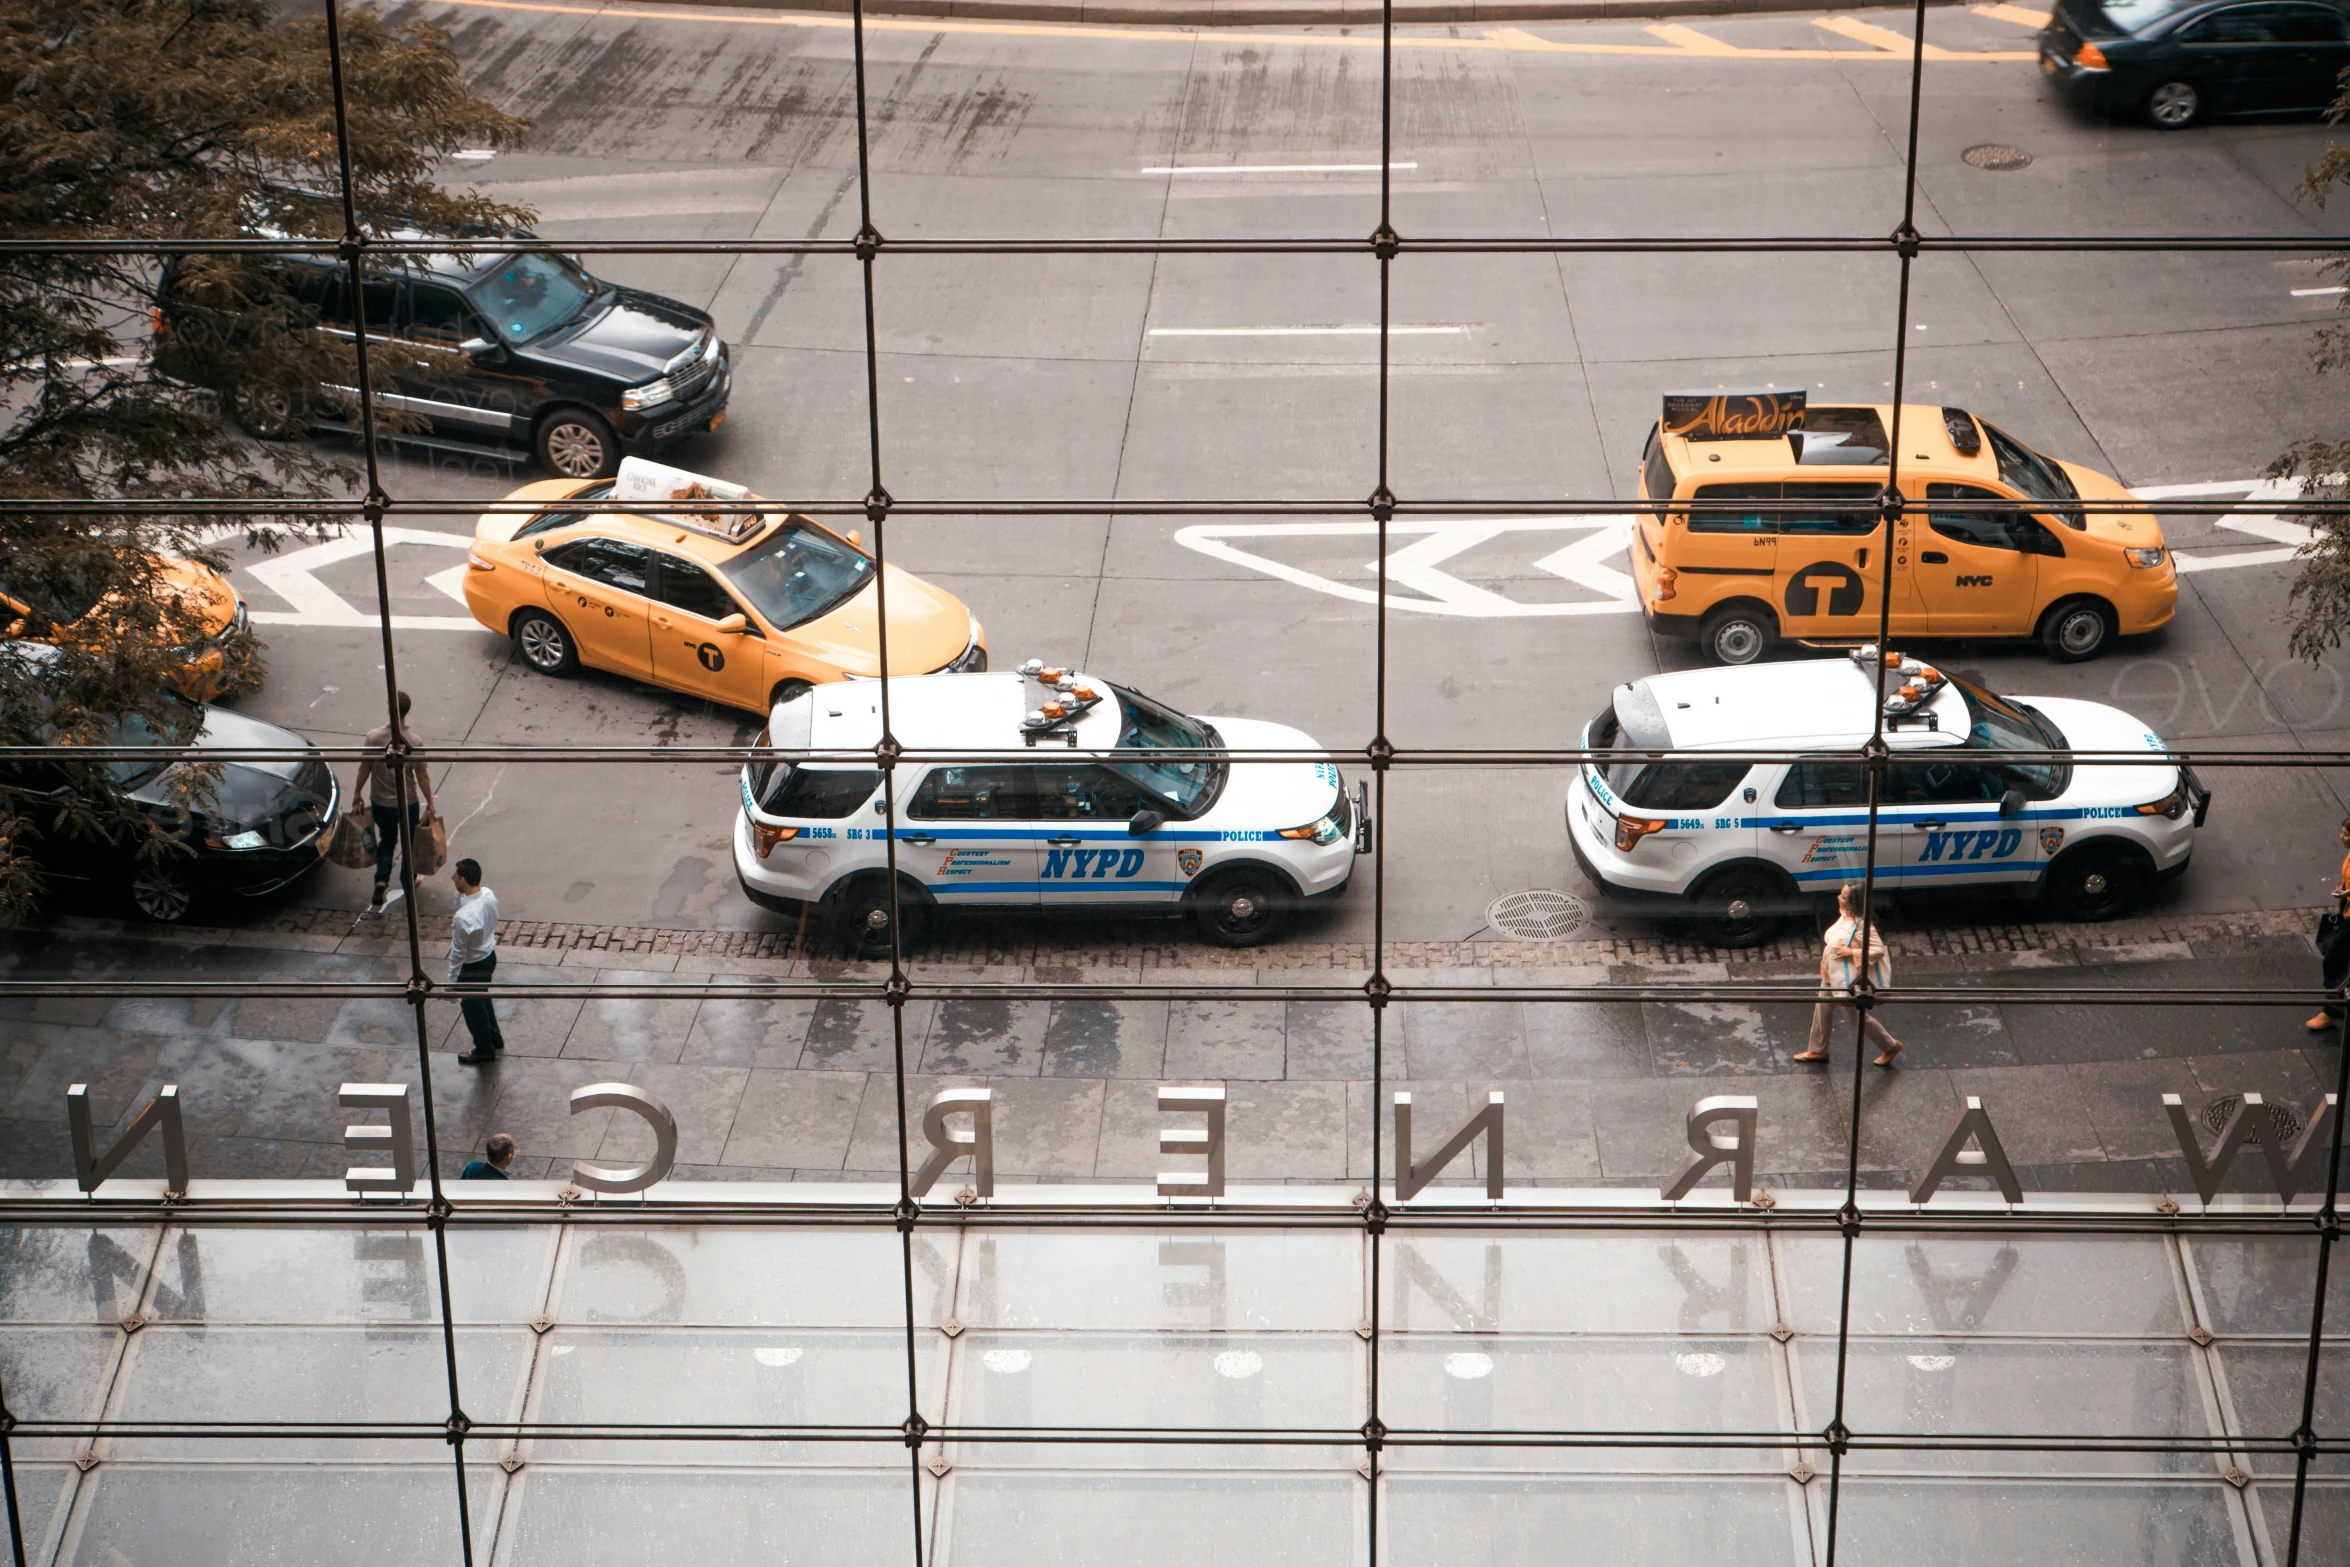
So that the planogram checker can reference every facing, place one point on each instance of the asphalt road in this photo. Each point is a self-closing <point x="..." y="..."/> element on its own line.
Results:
<point x="1223" y="377"/>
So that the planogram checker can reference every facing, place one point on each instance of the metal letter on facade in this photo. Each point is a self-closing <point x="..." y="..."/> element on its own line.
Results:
<point x="91" y="1167"/>
<point x="397" y="1138"/>
<point x="1410" y="1177"/>
<point x="1954" y="1157"/>
<point x="947" y="1146"/>
<point x="1190" y="1139"/>
<point x="2304" y="1168"/>
<point x="2247" y="1118"/>
<point x="1708" y="1147"/>
<point x="630" y="1177"/>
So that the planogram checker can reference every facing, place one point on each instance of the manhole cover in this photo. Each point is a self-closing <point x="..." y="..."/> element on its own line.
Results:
<point x="1540" y="915"/>
<point x="2284" y="1122"/>
<point x="1998" y="159"/>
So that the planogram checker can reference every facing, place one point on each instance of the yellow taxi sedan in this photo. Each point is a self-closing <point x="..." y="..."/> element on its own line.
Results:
<point x="743" y="608"/>
<point x="216" y="658"/>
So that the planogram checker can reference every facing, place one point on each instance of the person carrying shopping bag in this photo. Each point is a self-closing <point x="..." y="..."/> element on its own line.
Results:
<point x="1839" y="953"/>
<point x="2333" y="944"/>
<point x="377" y="784"/>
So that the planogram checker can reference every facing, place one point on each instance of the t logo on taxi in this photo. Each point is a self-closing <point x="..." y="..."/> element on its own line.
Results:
<point x="1840" y="585"/>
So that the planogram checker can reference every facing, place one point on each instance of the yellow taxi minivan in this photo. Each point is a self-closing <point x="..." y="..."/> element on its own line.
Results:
<point x="1808" y="565"/>
<point x="745" y="608"/>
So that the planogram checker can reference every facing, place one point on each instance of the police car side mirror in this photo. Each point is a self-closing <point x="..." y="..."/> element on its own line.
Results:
<point x="732" y="625"/>
<point x="2011" y="803"/>
<point x="1144" y="821"/>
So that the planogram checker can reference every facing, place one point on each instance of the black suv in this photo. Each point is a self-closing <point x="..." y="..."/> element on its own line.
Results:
<point x="558" y="365"/>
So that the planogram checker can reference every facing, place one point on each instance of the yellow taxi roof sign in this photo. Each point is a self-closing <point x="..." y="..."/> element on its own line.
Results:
<point x="639" y="480"/>
<point x="1733" y="415"/>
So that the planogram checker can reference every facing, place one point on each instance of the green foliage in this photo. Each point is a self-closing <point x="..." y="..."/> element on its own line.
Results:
<point x="132" y="121"/>
<point x="2318" y="606"/>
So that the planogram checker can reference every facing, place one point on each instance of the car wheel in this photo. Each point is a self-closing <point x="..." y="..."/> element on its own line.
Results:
<point x="267" y="413"/>
<point x="2174" y="106"/>
<point x="1741" y="907"/>
<point x="1738" y="635"/>
<point x="1242" y="908"/>
<point x="861" y="916"/>
<point x="787" y="690"/>
<point x="2096" y="882"/>
<point x="163" y="891"/>
<point x="578" y="445"/>
<point x="546" y="646"/>
<point x="2077" y="630"/>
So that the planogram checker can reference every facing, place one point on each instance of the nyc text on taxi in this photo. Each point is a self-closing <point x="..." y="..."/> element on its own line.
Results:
<point x="1738" y="844"/>
<point x="1088" y="797"/>
<point x="744" y="608"/>
<point x="1809" y="564"/>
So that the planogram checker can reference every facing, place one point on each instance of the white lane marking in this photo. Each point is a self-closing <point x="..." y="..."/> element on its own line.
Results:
<point x="293" y="577"/>
<point x="1272" y="168"/>
<point x="1418" y="565"/>
<point x="2312" y="293"/>
<point x="1305" y="331"/>
<point x="451" y="582"/>
<point x="474" y="154"/>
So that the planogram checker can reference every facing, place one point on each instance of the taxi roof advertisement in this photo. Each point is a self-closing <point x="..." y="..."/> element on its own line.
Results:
<point x="1733" y="415"/>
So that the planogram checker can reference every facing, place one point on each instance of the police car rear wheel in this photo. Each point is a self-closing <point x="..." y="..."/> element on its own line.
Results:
<point x="546" y="646"/>
<point x="863" y="917"/>
<point x="1241" y="908"/>
<point x="1737" y="636"/>
<point x="2096" y="882"/>
<point x="2077" y="630"/>
<point x="1740" y="907"/>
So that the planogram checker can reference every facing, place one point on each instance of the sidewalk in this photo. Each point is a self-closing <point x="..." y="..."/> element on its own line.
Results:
<point x="802" y="1089"/>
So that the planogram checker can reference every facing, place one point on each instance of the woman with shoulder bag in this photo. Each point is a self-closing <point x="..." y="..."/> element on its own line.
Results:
<point x="2333" y="944"/>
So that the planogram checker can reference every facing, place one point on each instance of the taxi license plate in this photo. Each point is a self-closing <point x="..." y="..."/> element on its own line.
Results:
<point x="717" y="418"/>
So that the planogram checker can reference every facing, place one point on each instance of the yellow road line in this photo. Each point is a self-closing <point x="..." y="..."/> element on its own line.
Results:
<point x="1689" y="44"/>
<point x="2003" y="12"/>
<point x="1884" y="38"/>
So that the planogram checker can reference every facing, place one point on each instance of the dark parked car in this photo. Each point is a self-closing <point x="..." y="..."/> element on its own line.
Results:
<point x="556" y="365"/>
<point x="259" y="827"/>
<point x="2178" y="62"/>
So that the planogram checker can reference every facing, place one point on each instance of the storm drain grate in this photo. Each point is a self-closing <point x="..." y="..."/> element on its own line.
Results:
<point x="1540" y="915"/>
<point x="2282" y="1121"/>
<point x="1997" y="158"/>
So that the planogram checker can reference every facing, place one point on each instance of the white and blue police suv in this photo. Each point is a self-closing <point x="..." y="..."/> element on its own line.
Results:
<point x="1736" y="846"/>
<point x="1067" y="793"/>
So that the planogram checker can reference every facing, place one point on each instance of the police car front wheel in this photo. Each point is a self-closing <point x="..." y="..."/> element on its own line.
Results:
<point x="863" y="916"/>
<point x="2097" y="881"/>
<point x="1242" y="908"/>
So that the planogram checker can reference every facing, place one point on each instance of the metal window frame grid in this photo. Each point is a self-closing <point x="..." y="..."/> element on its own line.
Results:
<point x="1848" y="1214"/>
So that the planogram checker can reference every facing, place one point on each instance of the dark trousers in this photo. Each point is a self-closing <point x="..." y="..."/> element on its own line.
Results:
<point x="2334" y="954"/>
<point x="387" y="841"/>
<point x="481" y="1019"/>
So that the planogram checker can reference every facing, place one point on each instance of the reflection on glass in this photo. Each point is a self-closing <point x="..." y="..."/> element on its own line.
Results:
<point x="2262" y="1284"/>
<point x="71" y="1273"/>
<point x="389" y="1517"/>
<point x="2089" y="1523"/>
<point x="2087" y="1284"/>
<point x="1579" y="1283"/>
<point x="1547" y="1522"/>
<point x="1023" y="1518"/>
<point x="2265" y="1383"/>
<point x="1243" y="1281"/>
<point x="55" y="1374"/>
<point x="564" y="1517"/>
<point x="719" y="1275"/>
<point x="350" y="1275"/>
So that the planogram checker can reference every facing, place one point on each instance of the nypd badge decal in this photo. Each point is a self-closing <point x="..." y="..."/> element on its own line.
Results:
<point x="2050" y="838"/>
<point x="1188" y="860"/>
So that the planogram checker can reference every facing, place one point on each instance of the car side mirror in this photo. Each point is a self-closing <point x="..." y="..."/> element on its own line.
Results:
<point x="1144" y="821"/>
<point x="2011" y="803"/>
<point x="732" y="625"/>
<point x="478" y="347"/>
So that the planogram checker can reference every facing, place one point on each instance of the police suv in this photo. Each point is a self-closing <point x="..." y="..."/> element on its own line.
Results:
<point x="1739" y="845"/>
<point x="1053" y="819"/>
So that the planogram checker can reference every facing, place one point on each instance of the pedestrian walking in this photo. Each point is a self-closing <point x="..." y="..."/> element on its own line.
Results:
<point x="378" y="785"/>
<point x="2333" y="944"/>
<point x="473" y="958"/>
<point x="500" y="1151"/>
<point x="1839" y="953"/>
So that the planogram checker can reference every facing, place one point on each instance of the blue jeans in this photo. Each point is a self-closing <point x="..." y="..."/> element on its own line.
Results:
<point x="387" y="841"/>
<point x="481" y="1019"/>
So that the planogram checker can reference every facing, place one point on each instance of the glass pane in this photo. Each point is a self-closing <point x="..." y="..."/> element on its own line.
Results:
<point x="2259" y="1284"/>
<point x="72" y="1273"/>
<point x="1092" y="1279"/>
<point x="43" y="1492"/>
<point x="1549" y="1522"/>
<point x="1949" y="1284"/>
<point x="2084" y="1524"/>
<point x="562" y="1516"/>
<point x="721" y="1275"/>
<point x="2325" y="1522"/>
<point x="1626" y="1282"/>
<point x="2264" y="1388"/>
<point x="350" y="1275"/>
<point x="1020" y="1518"/>
<point x="1727" y="1386"/>
<point x="56" y="1374"/>
<point x="391" y="1517"/>
<point x="1977" y="1387"/>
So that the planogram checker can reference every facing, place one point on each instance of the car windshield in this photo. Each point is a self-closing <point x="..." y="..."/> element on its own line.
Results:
<point x="531" y="293"/>
<point x="133" y="730"/>
<point x="797" y="573"/>
<point x="1996" y="724"/>
<point x="2024" y="469"/>
<point x="1189" y="784"/>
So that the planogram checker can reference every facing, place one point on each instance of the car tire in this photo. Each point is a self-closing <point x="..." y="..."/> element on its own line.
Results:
<point x="163" y="890"/>
<point x="544" y="644"/>
<point x="267" y="413"/>
<point x="860" y="917"/>
<point x="578" y="445"/>
<point x="1738" y="634"/>
<point x="785" y="690"/>
<point x="2097" y="882"/>
<point x="1741" y="906"/>
<point x="2077" y="630"/>
<point x="1242" y="907"/>
<point x="2175" y="105"/>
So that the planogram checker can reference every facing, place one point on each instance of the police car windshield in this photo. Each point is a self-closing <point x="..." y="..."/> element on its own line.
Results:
<point x="531" y="293"/>
<point x="1996" y="724"/>
<point x="1190" y="785"/>
<point x="798" y="573"/>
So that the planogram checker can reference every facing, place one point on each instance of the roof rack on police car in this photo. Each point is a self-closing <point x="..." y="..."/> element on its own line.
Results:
<point x="1920" y="682"/>
<point x="1065" y="700"/>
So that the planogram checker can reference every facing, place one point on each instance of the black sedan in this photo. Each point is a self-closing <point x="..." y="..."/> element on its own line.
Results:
<point x="2178" y="62"/>
<point x="258" y="826"/>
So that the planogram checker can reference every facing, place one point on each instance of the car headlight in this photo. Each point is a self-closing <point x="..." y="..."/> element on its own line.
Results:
<point x="242" y="840"/>
<point x="1326" y="831"/>
<point x="650" y="395"/>
<point x="2173" y="805"/>
<point x="2145" y="558"/>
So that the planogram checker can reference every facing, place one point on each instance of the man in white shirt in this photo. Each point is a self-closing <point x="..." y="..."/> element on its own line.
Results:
<point x="473" y="958"/>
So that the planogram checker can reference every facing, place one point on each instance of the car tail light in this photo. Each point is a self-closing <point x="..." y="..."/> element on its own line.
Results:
<point x="2090" y="57"/>
<point x="1631" y="829"/>
<point x="475" y="561"/>
<point x="764" y="838"/>
<point x="1666" y="577"/>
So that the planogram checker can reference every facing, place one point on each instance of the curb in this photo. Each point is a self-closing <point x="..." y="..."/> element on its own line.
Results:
<point x="1198" y="14"/>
